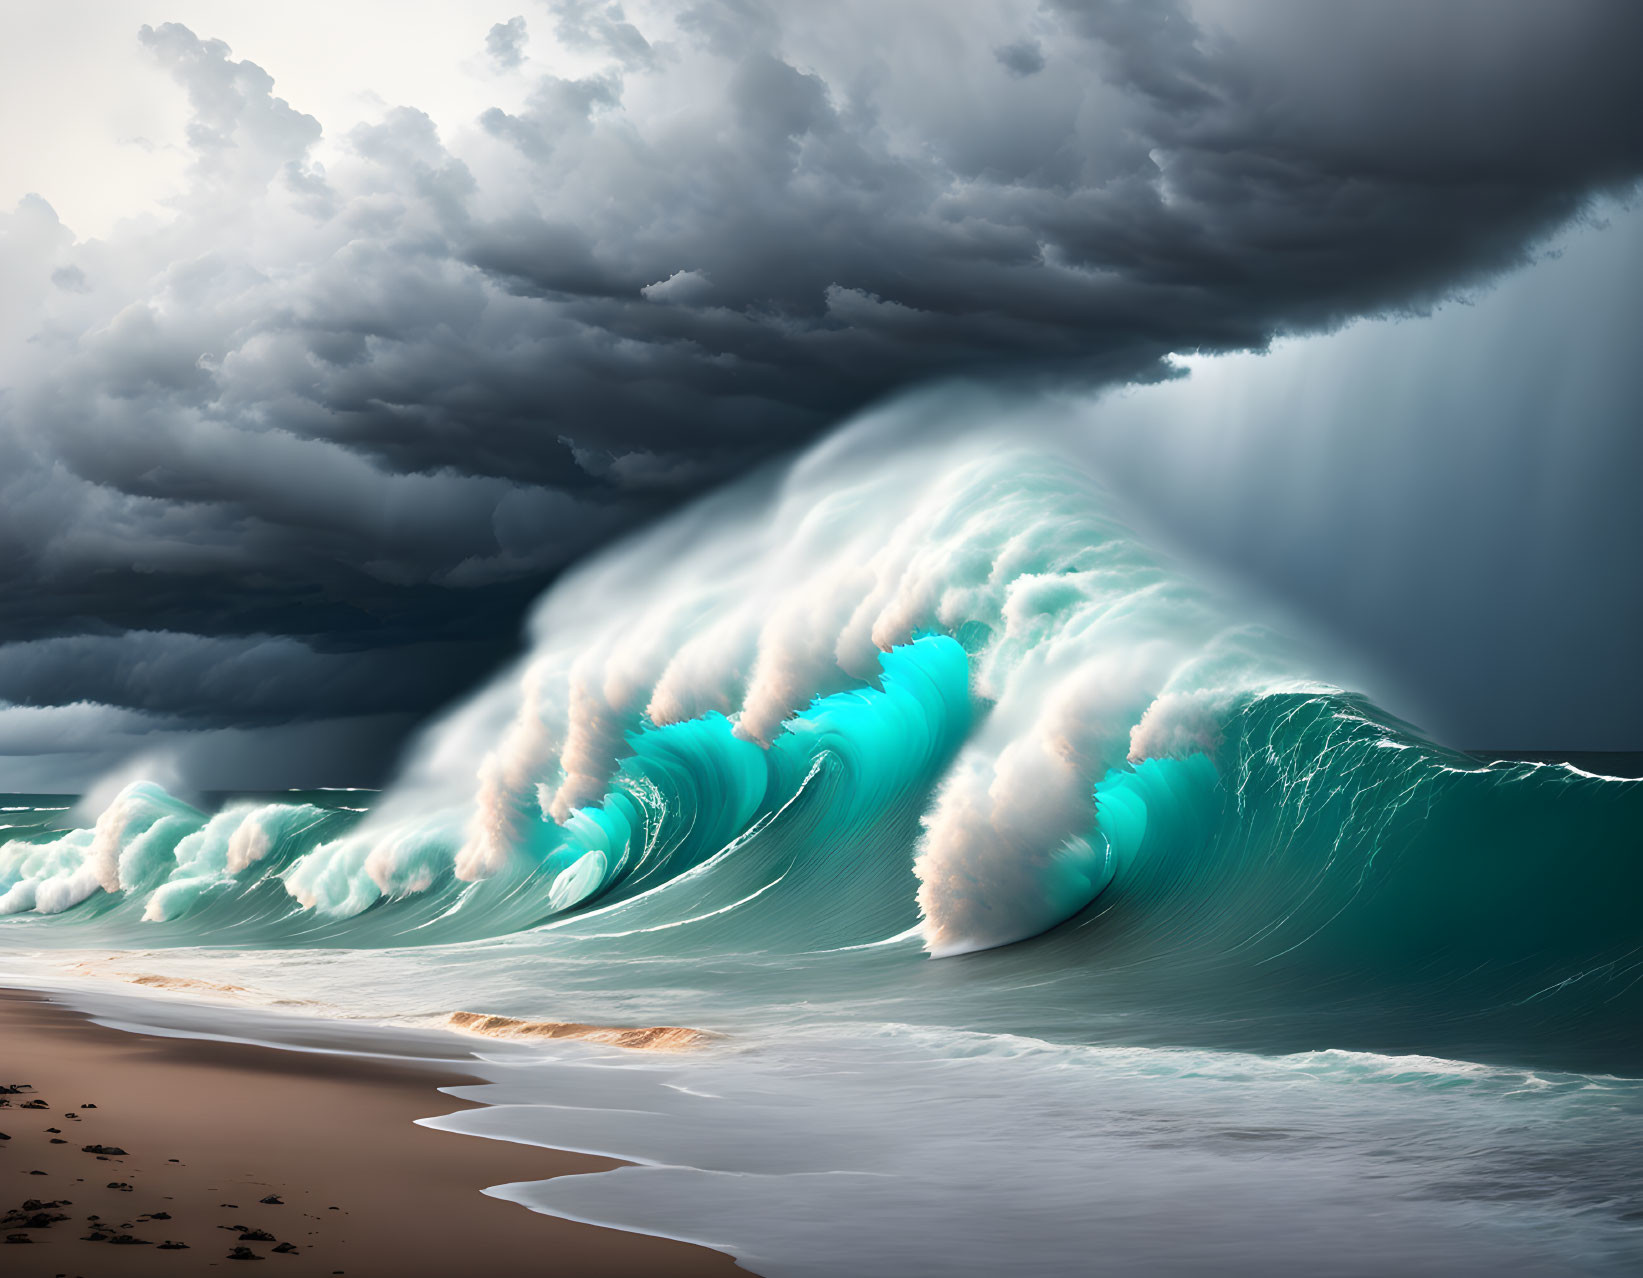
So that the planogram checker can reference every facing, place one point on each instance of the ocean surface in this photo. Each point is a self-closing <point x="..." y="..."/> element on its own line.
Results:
<point x="1040" y="913"/>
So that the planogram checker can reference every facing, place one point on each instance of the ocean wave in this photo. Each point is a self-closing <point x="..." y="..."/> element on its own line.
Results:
<point x="649" y="1038"/>
<point x="936" y="686"/>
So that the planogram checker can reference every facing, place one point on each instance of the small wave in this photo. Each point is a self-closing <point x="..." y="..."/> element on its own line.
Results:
<point x="649" y="1038"/>
<point x="156" y="981"/>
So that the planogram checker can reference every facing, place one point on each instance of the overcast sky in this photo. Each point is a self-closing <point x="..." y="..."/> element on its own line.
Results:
<point x="329" y="333"/>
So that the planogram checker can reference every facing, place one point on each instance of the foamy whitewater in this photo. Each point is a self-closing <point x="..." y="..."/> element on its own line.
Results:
<point x="1037" y="911"/>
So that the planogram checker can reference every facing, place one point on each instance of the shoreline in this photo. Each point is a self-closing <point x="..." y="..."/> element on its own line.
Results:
<point x="215" y="1127"/>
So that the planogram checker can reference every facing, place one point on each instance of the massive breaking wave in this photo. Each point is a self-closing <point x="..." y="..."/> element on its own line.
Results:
<point x="923" y="683"/>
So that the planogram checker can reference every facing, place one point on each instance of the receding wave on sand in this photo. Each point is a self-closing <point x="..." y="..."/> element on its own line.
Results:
<point x="651" y="1038"/>
<point x="184" y="984"/>
<point x="156" y="981"/>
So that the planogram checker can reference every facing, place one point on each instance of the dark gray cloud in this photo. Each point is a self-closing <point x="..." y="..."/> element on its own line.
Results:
<point x="1023" y="58"/>
<point x="506" y="43"/>
<point x="371" y="396"/>
<point x="228" y="680"/>
<point x="600" y="27"/>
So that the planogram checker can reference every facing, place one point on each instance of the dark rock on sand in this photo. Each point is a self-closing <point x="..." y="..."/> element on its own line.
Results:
<point x="95" y="1235"/>
<point x="18" y="1238"/>
<point x="159" y="1215"/>
<point x="58" y="1140"/>
<point x="102" y="1149"/>
<point x="243" y="1253"/>
<point x="286" y="1249"/>
<point x="257" y="1235"/>
<point x="88" y="1105"/>
<point x="3" y="1136"/>
<point x="273" y="1200"/>
<point x="120" y="1185"/>
<point x="168" y="1245"/>
<point x="35" y="1104"/>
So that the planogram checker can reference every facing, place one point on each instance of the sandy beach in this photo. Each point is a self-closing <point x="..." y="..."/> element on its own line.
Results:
<point x="311" y="1162"/>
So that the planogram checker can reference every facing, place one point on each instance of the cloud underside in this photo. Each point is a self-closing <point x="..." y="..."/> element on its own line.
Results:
<point x="363" y="395"/>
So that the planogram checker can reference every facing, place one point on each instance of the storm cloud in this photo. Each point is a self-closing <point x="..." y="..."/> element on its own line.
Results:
<point x="306" y="446"/>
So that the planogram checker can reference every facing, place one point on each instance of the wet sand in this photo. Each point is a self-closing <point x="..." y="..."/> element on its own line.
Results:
<point x="209" y="1130"/>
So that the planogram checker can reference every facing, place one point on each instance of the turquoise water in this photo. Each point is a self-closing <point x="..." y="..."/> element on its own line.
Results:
<point x="1036" y="893"/>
